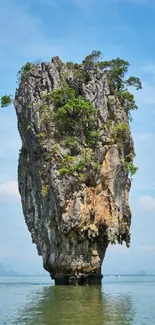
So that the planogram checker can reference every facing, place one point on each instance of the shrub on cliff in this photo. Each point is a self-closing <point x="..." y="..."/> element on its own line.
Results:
<point x="60" y="96"/>
<point x="129" y="167"/>
<point x="116" y="70"/>
<point x="73" y="114"/>
<point x="25" y="70"/>
<point x="91" y="60"/>
<point x="6" y="100"/>
<point x="77" y="112"/>
<point x="120" y="132"/>
<point x="75" y="117"/>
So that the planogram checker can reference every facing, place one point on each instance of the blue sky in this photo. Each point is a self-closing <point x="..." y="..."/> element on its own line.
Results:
<point x="40" y="29"/>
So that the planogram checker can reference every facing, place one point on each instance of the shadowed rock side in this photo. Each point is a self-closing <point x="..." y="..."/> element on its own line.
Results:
<point x="72" y="216"/>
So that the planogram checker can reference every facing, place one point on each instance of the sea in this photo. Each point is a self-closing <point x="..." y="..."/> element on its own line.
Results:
<point x="36" y="301"/>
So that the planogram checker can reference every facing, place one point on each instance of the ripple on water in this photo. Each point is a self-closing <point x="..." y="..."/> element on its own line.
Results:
<point x="120" y="301"/>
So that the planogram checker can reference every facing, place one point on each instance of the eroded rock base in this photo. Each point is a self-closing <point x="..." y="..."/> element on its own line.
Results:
<point x="83" y="280"/>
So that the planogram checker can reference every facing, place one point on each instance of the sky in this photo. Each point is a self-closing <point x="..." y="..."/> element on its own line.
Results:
<point x="39" y="29"/>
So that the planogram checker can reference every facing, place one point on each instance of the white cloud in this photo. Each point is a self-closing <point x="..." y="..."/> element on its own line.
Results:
<point x="147" y="203"/>
<point x="9" y="190"/>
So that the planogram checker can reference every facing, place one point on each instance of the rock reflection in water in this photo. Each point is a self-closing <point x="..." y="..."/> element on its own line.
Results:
<point x="78" y="306"/>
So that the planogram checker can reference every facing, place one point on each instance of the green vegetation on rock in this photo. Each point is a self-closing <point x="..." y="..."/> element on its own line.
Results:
<point x="116" y="70"/>
<point x="128" y="101"/>
<point x="76" y="113"/>
<point x="60" y="96"/>
<point x="69" y="141"/>
<point x="129" y="167"/>
<point x="92" y="59"/>
<point x="44" y="190"/>
<point x="74" y="117"/>
<point x="69" y="165"/>
<point x="6" y="100"/>
<point x="120" y="132"/>
<point x="25" y="71"/>
<point x="134" y="82"/>
<point x="41" y="135"/>
<point x="73" y="114"/>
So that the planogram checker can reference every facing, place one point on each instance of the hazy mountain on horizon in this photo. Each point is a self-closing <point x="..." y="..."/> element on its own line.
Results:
<point x="3" y="272"/>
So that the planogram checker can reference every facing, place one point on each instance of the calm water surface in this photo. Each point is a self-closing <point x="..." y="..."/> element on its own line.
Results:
<point x="35" y="301"/>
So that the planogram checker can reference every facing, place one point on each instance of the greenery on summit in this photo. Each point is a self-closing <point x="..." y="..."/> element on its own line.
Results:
<point x="75" y="117"/>
<point x="25" y="71"/>
<point x="116" y="71"/>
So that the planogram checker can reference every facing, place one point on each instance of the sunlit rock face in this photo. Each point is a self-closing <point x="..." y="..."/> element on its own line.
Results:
<point x="72" y="216"/>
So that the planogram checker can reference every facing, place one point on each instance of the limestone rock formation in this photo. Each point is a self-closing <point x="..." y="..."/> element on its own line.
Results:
<point x="73" y="182"/>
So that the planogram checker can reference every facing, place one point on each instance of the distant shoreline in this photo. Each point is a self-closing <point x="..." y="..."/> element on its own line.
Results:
<point x="105" y="276"/>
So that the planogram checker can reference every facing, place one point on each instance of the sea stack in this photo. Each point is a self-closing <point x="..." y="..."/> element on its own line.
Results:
<point x="74" y="165"/>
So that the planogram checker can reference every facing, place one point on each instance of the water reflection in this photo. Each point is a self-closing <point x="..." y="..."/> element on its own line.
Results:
<point x="78" y="306"/>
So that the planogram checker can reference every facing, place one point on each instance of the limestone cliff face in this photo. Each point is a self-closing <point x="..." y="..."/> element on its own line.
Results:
<point x="72" y="218"/>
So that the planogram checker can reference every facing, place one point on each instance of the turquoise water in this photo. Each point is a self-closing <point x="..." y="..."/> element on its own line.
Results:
<point x="35" y="301"/>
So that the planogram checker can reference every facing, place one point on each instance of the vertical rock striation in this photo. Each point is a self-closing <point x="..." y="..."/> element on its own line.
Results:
<point x="73" y="212"/>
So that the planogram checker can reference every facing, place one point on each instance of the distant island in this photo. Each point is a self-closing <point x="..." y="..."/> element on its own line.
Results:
<point x="3" y="272"/>
<point x="138" y="274"/>
<point x="11" y="273"/>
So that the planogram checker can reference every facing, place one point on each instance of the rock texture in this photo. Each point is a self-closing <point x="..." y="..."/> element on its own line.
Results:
<point x="72" y="221"/>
